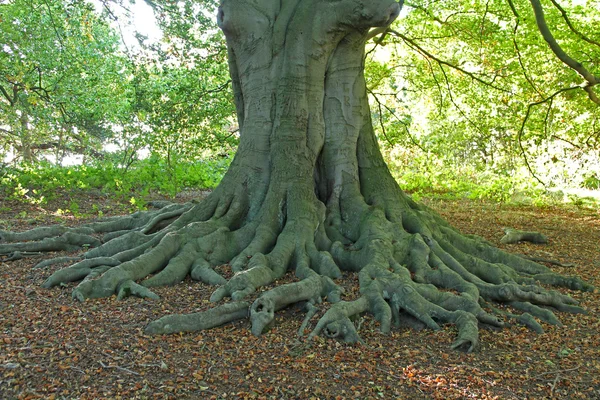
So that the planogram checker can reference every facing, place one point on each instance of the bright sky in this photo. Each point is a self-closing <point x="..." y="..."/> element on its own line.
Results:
<point x="142" y="19"/>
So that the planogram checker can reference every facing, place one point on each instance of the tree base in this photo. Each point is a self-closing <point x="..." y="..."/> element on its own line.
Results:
<point x="308" y="191"/>
<point x="420" y="271"/>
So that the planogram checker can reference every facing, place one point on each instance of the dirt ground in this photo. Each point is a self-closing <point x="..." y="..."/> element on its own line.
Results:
<point x="54" y="347"/>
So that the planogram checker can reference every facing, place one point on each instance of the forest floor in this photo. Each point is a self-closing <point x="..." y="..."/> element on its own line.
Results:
<point x="53" y="347"/>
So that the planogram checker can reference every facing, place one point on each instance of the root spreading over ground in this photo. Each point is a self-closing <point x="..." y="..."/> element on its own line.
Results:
<point x="412" y="266"/>
<point x="308" y="191"/>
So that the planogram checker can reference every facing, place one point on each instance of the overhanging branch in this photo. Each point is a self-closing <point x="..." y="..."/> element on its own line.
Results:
<point x="590" y="79"/>
<point x="12" y="100"/>
<point x="11" y="133"/>
<point x="518" y="50"/>
<point x="427" y="54"/>
<point x="571" y="27"/>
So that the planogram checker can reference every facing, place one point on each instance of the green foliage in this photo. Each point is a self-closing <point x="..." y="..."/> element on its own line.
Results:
<point x="591" y="181"/>
<point x="425" y="175"/>
<point x="183" y="93"/>
<point x="63" y="80"/>
<point x="68" y="86"/>
<point x="43" y="182"/>
<point x="474" y="84"/>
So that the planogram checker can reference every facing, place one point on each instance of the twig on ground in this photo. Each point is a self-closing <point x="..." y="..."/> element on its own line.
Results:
<point x="554" y="384"/>
<point x="547" y="261"/>
<point x="556" y="371"/>
<point x="117" y="367"/>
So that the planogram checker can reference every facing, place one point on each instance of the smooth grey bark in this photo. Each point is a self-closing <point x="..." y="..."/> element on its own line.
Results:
<point x="515" y="236"/>
<point x="309" y="191"/>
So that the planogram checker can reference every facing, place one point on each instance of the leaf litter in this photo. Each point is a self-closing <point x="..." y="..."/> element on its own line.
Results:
<point x="53" y="347"/>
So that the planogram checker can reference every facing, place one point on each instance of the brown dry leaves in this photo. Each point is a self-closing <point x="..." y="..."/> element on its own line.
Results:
<point x="54" y="347"/>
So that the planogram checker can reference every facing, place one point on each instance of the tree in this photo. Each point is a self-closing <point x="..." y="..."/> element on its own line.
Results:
<point x="308" y="190"/>
<point x="184" y="86"/>
<point x="62" y="79"/>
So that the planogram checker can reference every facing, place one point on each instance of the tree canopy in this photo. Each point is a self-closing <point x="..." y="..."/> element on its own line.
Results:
<point x="499" y="86"/>
<point x="478" y="83"/>
<point x="63" y="81"/>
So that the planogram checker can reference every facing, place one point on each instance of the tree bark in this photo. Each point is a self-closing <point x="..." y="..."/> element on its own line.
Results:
<point x="25" y="137"/>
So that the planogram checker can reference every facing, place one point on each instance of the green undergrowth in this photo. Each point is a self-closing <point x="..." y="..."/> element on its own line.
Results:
<point x="450" y="185"/>
<point x="43" y="182"/>
<point x="501" y="187"/>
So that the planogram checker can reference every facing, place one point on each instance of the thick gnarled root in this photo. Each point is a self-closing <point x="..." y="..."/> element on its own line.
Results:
<point x="169" y="243"/>
<point x="411" y="266"/>
<point x="61" y="238"/>
<point x="310" y="289"/>
<point x="336" y="323"/>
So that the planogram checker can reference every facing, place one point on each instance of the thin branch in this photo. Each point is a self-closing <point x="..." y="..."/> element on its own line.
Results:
<point x="522" y="129"/>
<point x="591" y="79"/>
<point x="117" y="367"/>
<point x="595" y="134"/>
<point x="58" y="35"/>
<point x="381" y="122"/>
<point x="571" y="27"/>
<point x="40" y="90"/>
<point x="412" y="139"/>
<point x="440" y="21"/>
<point x="558" y="371"/>
<point x="574" y="145"/>
<point x="5" y="93"/>
<point x="437" y="84"/>
<point x="442" y="62"/>
<point x="460" y="110"/>
<point x="112" y="15"/>
<point x="482" y="24"/>
<point x="8" y="132"/>
<point x="518" y="50"/>
<point x="547" y="117"/>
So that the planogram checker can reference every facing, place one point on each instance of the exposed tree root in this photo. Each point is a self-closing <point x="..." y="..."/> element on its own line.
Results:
<point x="308" y="191"/>
<point x="414" y="266"/>
<point x="515" y="236"/>
<point x="199" y="321"/>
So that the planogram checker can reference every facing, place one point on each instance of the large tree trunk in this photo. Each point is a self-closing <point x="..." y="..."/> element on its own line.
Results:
<point x="308" y="190"/>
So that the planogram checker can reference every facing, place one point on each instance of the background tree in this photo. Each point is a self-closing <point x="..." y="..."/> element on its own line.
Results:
<point x="308" y="190"/>
<point x="185" y="87"/>
<point x="63" y="81"/>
